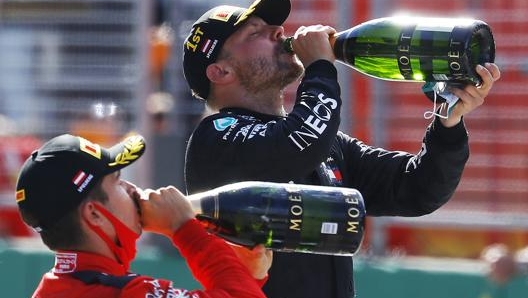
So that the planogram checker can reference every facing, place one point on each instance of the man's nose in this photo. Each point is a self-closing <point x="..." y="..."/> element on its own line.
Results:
<point x="277" y="32"/>
<point x="129" y="186"/>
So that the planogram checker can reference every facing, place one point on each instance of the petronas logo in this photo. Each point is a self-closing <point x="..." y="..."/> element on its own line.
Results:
<point x="223" y="123"/>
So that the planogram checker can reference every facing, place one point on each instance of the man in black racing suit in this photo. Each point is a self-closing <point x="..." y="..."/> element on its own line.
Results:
<point x="245" y="140"/>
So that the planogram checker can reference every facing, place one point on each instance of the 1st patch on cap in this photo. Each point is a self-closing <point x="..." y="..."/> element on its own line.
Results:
<point x="194" y="39"/>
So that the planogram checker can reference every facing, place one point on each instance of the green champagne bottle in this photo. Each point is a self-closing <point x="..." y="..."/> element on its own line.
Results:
<point x="416" y="49"/>
<point x="284" y="217"/>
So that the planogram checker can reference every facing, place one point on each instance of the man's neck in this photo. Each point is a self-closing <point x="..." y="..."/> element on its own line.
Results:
<point x="269" y="102"/>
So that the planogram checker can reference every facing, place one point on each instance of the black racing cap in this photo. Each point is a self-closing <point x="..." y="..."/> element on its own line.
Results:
<point x="57" y="177"/>
<point x="212" y="29"/>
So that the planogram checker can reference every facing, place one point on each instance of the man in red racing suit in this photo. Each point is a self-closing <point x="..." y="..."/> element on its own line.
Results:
<point x="80" y="274"/>
<point x="71" y="192"/>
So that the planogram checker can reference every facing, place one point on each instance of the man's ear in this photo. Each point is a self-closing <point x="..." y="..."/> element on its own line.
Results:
<point x="219" y="73"/>
<point x="91" y="214"/>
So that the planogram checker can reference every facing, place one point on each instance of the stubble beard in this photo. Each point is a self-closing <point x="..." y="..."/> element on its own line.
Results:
<point x="262" y="74"/>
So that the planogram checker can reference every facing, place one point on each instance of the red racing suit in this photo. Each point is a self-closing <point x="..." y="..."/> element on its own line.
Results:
<point x="306" y="147"/>
<point x="213" y="264"/>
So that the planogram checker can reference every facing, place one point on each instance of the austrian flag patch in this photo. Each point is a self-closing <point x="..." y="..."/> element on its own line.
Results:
<point x="81" y="179"/>
<point x="206" y="46"/>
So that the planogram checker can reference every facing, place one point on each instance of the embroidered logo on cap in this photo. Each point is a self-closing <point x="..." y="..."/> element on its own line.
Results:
<point x="194" y="39"/>
<point x="20" y="195"/>
<point x="209" y="47"/>
<point x="81" y="179"/>
<point x="90" y="148"/>
<point x="131" y="150"/>
<point x="223" y="13"/>
<point x="246" y="13"/>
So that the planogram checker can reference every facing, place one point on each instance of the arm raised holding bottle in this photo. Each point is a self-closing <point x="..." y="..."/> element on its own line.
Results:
<point x="414" y="48"/>
<point x="463" y="55"/>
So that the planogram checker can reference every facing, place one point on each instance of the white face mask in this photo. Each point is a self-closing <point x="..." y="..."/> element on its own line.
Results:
<point x="439" y="89"/>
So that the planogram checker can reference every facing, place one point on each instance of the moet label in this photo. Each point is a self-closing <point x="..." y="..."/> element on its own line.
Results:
<point x="296" y="211"/>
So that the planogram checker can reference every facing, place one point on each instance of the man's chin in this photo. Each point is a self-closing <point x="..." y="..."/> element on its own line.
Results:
<point x="294" y="73"/>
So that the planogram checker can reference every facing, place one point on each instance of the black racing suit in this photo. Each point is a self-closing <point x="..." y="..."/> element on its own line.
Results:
<point x="306" y="147"/>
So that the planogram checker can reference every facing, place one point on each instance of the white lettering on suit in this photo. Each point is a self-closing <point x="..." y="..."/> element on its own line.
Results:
<point x="315" y="124"/>
<point x="416" y="160"/>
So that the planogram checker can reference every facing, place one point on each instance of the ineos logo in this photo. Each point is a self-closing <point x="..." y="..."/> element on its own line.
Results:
<point x="314" y="123"/>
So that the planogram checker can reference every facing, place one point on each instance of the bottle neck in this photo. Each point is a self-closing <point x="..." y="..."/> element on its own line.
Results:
<point x="288" y="42"/>
<point x="195" y="201"/>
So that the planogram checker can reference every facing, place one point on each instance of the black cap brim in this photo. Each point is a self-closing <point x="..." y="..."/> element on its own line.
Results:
<point x="273" y="12"/>
<point x="125" y="153"/>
